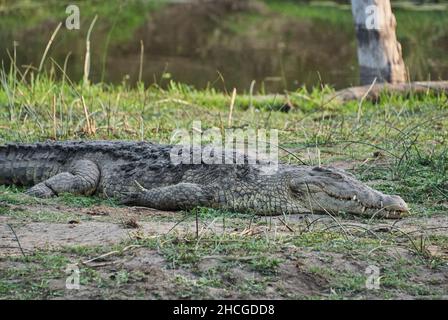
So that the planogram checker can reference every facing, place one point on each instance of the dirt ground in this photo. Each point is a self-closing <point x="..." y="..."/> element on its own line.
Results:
<point x="143" y="253"/>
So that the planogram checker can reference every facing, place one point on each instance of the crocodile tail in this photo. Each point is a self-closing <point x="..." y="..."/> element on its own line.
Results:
<point x="28" y="164"/>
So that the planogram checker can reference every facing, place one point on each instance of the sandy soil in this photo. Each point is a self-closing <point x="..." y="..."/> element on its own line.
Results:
<point x="110" y="225"/>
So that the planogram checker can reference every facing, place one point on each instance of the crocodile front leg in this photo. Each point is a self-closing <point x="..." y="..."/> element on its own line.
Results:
<point x="82" y="178"/>
<point x="182" y="196"/>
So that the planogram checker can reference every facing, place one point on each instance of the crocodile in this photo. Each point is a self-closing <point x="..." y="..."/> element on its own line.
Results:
<point x="142" y="174"/>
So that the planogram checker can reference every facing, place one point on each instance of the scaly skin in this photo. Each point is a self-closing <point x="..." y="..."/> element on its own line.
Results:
<point x="141" y="173"/>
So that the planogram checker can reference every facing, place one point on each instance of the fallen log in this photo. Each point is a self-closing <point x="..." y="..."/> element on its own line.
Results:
<point x="287" y="101"/>
<point x="373" y="92"/>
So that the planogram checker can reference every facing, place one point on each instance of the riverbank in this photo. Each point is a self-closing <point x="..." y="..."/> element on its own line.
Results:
<point x="398" y="145"/>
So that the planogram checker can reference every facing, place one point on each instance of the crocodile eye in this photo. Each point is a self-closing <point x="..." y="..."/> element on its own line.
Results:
<point x="296" y="192"/>
<point x="349" y="174"/>
<point x="335" y="175"/>
<point x="327" y="172"/>
<point x="297" y="187"/>
<point x="320" y="169"/>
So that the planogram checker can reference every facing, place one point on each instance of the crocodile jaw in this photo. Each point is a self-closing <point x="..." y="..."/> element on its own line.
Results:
<point x="386" y="207"/>
<point x="330" y="190"/>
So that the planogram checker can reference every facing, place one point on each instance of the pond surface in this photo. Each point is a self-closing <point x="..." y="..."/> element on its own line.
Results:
<point x="225" y="44"/>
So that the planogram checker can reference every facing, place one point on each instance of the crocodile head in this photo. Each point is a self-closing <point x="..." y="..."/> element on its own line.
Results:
<point x="332" y="190"/>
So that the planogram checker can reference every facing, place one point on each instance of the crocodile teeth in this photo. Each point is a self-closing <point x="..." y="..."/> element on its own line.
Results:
<point x="354" y="197"/>
<point x="363" y="209"/>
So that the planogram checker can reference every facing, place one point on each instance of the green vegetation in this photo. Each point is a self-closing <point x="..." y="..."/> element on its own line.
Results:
<point x="337" y="15"/>
<point x="120" y="18"/>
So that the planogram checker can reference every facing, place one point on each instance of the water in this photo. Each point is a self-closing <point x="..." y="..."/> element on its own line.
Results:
<point x="280" y="45"/>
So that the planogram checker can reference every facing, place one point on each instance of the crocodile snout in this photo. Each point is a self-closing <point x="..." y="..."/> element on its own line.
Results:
<point x="394" y="203"/>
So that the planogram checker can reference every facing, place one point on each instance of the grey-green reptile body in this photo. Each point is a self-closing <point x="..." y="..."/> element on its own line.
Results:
<point x="142" y="173"/>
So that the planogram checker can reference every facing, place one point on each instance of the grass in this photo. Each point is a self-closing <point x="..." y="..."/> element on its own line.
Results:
<point x="131" y="15"/>
<point x="14" y="195"/>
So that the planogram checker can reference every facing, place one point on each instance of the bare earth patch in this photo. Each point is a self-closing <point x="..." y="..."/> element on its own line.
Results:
<point x="218" y="259"/>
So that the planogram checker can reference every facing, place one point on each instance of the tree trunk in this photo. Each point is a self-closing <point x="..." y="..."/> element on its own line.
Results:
<point x="379" y="52"/>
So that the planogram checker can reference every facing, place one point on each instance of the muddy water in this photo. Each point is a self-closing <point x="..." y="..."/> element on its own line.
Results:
<point x="221" y="46"/>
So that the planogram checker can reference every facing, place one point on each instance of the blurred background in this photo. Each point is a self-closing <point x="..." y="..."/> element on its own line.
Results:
<point x="221" y="44"/>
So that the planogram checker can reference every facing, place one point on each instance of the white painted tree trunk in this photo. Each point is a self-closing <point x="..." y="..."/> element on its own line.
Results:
<point x="379" y="52"/>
